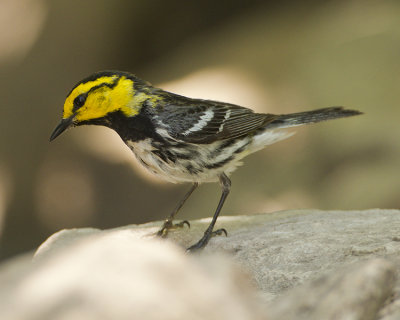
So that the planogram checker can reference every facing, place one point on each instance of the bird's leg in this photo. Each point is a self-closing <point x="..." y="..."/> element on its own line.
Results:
<point x="163" y="232"/>
<point x="226" y="186"/>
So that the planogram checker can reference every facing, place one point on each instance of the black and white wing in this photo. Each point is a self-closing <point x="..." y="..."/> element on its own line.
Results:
<point x="205" y="121"/>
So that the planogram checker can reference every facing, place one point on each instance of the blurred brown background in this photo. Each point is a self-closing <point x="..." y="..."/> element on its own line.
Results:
<point x="273" y="58"/>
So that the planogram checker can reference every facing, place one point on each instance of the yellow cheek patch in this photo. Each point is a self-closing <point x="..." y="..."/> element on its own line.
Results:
<point x="105" y="95"/>
<point x="105" y="100"/>
<point x="96" y="106"/>
<point x="83" y="88"/>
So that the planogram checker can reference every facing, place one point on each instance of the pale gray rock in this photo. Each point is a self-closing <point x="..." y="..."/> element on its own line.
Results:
<point x="116" y="275"/>
<point x="299" y="264"/>
<point x="358" y="292"/>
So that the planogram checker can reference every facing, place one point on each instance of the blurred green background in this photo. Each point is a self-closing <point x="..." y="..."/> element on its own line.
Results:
<point x="277" y="58"/>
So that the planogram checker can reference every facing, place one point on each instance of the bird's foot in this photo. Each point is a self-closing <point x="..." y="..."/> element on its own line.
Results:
<point x="204" y="240"/>
<point x="168" y="225"/>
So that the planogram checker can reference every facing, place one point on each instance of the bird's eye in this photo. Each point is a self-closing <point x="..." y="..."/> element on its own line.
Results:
<point x="79" y="101"/>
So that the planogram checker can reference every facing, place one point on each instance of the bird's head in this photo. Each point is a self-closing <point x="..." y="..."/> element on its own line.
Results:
<point x="96" y="97"/>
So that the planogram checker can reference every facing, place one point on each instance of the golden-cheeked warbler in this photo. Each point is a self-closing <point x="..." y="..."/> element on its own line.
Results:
<point x="178" y="138"/>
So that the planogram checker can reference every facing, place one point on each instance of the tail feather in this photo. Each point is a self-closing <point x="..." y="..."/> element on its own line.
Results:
<point x="300" y="118"/>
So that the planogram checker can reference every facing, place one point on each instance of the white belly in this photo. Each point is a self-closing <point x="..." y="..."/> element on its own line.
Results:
<point x="200" y="162"/>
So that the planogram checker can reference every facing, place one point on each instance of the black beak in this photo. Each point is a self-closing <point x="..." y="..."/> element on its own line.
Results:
<point x="62" y="126"/>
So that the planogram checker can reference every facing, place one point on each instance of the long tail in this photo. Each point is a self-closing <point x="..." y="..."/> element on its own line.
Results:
<point x="300" y="118"/>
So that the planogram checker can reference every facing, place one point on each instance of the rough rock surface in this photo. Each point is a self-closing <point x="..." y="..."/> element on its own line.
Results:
<point x="301" y="264"/>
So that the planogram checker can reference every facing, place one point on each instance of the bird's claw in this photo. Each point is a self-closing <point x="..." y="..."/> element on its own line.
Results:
<point x="219" y="232"/>
<point x="168" y="225"/>
<point x="204" y="240"/>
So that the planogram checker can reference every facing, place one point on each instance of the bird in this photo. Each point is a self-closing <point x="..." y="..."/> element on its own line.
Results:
<point x="177" y="138"/>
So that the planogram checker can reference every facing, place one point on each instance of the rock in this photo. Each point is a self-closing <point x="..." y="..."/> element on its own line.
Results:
<point x="300" y="264"/>
<point x="115" y="275"/>
<point x="358" y="292"/>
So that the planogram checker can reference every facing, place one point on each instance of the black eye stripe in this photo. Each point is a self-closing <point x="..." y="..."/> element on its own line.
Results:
<point x="80" y="100"/>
